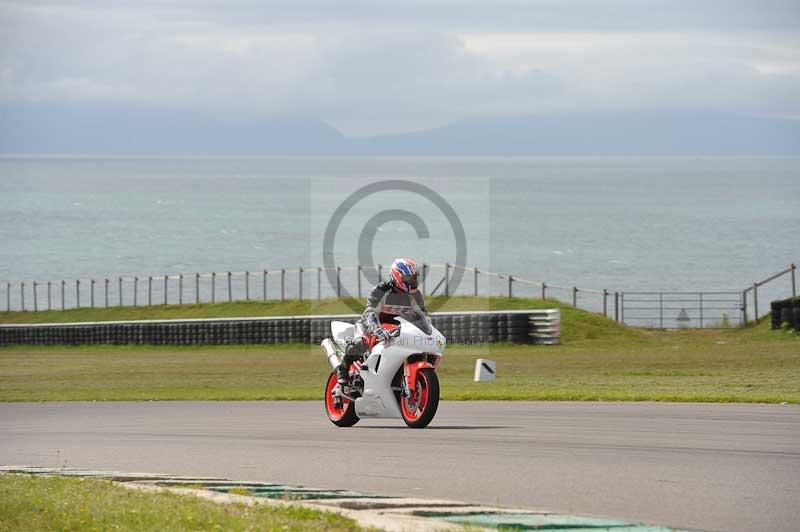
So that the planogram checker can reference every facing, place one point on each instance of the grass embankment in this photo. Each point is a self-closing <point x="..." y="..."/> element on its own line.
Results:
<point x="60" y="503"/>
<point x="599" y="360"/>
<point x="239" y="309"/>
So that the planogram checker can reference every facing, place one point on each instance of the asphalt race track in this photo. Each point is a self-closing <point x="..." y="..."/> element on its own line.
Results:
<point x="700" y="466"/>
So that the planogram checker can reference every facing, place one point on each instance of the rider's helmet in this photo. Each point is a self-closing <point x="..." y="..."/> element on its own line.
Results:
<point x="405" y="275"/>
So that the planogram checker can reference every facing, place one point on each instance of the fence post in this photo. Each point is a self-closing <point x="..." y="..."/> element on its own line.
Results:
<point x="264" y="285"/>
<point x="166" y="287"/>
<point x="197" y="287"/>
<point x="135" y="290"/>
<point x="622" y="307"/>
<point x="544" y="291"/>
<point x="8" y="297"/>
<point x="283" y="284"/>
<point x="213" y="286"/>
<point x="575" y="296"/>
<point x="22" y="295"/>
<point x="446" y="279"/>
<point x="247" y="286"/>
<point x="605" y="303"/>
<point x="63" y="290"/>
<point x="35" y="302"/>
<point x="339" y="282"/>
<point x="180" y="289"/>
<point x="230" y="295"/>
<point x="476" y="282"/>
<point x="660" y="310"/>
<point x="149" y="290"/>
<point x="744" y="307"/>
<point x="510" y="280"/>
<point x="91" y="293"/>
<point x="319" y="282"/>
<point x="77" y="293"/>
<point x="49" y="307"/>
<point x="616" y="306"/>
<point x="300" y="282"/>
<point x="119" y="282"/>
<point x="106" y="290"/>
<point x="755" y="302"/>
<point x="424" y="277"/>
<point x="794" y="280"/>
<point x="701" y="310"/>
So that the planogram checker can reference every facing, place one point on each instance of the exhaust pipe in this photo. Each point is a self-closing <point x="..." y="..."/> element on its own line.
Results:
<point x="330" y="351"/>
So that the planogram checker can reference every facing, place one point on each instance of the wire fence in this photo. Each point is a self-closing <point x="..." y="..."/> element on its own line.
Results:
<point x="308" y="283"/>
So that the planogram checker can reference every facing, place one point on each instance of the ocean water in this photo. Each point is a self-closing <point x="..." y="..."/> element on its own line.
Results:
<point x="617" y="223"/>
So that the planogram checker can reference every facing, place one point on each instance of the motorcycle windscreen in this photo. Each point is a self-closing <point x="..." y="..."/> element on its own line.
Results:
<point x="418" y="319"/>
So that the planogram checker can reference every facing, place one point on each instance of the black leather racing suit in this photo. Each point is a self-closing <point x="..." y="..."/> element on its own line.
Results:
<point x="383" y="304"/>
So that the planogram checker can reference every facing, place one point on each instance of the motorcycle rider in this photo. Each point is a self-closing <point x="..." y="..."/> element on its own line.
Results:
<point x="386" y="301"/>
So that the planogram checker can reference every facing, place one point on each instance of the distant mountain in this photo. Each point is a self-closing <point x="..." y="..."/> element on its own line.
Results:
<point x="650" y="133"/>
<point x="91" y="130"/>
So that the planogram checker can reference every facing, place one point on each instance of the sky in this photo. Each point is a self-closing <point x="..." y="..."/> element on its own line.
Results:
<point x="370" y="68"/>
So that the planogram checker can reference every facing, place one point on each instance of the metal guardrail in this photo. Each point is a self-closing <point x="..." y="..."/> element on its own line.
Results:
<point x="675" y="310"/>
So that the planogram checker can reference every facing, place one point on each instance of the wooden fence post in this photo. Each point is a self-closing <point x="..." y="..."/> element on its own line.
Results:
<point x="755" y="302"/>
<point x="300" y="282"/>
<point x="744" y="307"/>
<point x="510" y="281"/>
<point x="605" y="303"/>
<point x="447" y="279"/>
<point x="544" y="291"/>
<point x="575" y="296"/>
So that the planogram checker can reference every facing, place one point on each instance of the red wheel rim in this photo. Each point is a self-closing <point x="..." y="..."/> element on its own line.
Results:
<point x="333" y="412"/>
<point x="413" y="412"/>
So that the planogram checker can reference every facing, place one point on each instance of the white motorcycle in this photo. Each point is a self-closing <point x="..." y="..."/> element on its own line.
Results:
<point x="396" y="380"/>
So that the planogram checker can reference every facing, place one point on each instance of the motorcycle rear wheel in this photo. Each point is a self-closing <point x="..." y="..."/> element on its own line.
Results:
<point x="341" y="417"/>
<point x="419" y="415"/>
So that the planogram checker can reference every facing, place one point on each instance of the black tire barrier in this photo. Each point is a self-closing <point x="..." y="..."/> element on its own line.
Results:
<point x="535" y="326"/>
<point x="786" y="311"/>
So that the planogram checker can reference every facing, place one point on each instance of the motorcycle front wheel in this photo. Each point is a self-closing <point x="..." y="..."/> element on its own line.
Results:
<point x="345" y="416"/>
<point x="420" y="413"/>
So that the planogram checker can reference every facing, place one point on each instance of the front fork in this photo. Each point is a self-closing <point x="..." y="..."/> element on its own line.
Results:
<point x="408" y="388"/>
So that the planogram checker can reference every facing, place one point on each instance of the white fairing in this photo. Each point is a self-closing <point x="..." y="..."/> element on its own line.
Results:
<point x="385" y="359"/>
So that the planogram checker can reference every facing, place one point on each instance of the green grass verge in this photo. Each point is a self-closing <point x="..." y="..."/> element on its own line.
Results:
<point x="59" y="503"/>
<point x="599" y="361"/>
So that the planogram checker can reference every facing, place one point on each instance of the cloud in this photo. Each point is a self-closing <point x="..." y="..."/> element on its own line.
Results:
<point x="379" y="67"/>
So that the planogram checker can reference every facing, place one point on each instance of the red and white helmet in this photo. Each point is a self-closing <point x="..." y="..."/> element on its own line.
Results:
<point x="405" y="275"/>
